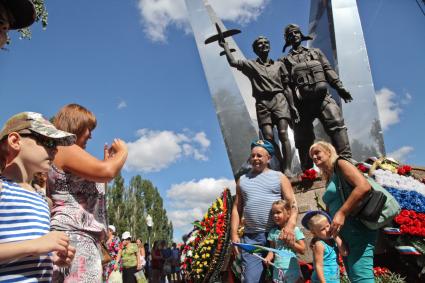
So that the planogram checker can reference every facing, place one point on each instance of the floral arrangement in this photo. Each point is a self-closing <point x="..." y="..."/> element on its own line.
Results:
<point x="411" y="222"/>
<point x="404" y="170"/>
<point x="409" y="200"/>
<point x="309" y="175"/>
<point x="382" y="275"/>
<point x="204" y="250"/>
<point x="392" y="180"/>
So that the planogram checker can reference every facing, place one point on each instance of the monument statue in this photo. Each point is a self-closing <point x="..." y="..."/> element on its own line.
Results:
<point x="310" y="74"/>
<point x="270" y="88"/>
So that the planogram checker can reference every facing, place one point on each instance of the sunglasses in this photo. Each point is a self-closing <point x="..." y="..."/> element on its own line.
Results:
<point x="41" y="140"/>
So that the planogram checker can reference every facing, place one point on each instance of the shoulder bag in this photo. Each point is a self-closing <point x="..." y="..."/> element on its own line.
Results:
<point x="377" y="209"/>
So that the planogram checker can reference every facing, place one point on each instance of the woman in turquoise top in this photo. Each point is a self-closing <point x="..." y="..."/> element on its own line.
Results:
<point x="359" y="240"/>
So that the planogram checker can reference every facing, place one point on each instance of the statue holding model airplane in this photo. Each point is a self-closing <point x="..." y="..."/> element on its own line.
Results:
<point x="270" y="88"/>
<point x="292" y="91"/>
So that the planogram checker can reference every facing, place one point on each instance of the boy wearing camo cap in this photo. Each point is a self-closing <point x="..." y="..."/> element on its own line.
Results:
<point x="28" y="248"/>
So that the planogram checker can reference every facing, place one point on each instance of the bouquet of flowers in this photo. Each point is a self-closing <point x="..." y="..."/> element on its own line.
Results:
<point x="404" y="170"/>
<point x="411" y="222"/>
<point x="204" y="251"/>
<point x="309" y="175"/>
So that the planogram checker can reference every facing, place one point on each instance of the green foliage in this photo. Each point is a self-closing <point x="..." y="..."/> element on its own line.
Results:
<point x="129" y="206"/>
<point x="41" y="16"/>
<point x="389" y="278"/>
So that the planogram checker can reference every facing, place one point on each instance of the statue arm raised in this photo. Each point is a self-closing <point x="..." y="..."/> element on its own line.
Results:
<point x="228" y="53"/>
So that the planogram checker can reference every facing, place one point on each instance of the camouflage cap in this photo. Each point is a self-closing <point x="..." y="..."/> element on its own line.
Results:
<point x="35" y="122"/>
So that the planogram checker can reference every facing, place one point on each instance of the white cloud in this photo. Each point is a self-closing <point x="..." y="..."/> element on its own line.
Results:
<point x="401" y="153"/>
<point x="389" y="106"/>
<point x="122" y="104"/>
<point x="158" y="15"/>
<point x="190" y="200"/>
<point x="156" y="150"/>
<point x="202" y="139"/>
<point x="407" y="98"/>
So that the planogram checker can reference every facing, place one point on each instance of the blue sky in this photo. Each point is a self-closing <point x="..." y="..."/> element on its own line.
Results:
<point x="136" y="66"/>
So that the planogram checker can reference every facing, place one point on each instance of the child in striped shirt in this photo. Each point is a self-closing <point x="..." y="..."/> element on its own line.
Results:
<point x="27" y="248"/>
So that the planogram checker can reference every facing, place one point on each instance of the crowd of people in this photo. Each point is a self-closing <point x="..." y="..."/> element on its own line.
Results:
<point x="52" y="206"/>
<point x="128" y="257"/>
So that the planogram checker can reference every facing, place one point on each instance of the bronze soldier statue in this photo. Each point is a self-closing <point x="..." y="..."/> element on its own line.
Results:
<point x="310" y="73"/>
<point x="274" y="104"/>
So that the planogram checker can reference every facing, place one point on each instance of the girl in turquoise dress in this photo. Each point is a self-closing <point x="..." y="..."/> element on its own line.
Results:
<point x="286" y="269"/>
<point x="360" y="240"/>
<point x="325" y="249"/>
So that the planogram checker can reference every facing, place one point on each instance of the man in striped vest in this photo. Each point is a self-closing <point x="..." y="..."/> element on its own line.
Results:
<point x="255" y="193"/>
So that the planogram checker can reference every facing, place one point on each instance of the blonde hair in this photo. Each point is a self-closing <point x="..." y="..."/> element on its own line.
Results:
<point x="281" y="202"/>
<point x="75" y="119"/>
<point x="315" y="220"/>
<point x="328" y="168"/>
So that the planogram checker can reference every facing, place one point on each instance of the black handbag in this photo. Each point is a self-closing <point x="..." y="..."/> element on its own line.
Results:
<point x="370" y="207"/>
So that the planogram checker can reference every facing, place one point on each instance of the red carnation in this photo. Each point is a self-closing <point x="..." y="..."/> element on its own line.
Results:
<point x="404" y="170"/>
<point x="362" y="168"/>
<point x="309" y="175"/>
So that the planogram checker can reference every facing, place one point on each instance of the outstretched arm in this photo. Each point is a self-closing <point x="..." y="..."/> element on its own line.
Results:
<point x="229" y="56"/>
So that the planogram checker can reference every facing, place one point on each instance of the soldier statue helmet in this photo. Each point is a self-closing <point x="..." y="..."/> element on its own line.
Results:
<point x="290" y="28"/>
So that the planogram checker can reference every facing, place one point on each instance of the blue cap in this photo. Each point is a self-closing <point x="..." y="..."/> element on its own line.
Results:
<point x="312" y="213"/>
<point x="264" y="144"/>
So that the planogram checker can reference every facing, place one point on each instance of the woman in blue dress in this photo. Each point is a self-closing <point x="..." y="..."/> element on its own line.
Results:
<point x="359" y="240"/>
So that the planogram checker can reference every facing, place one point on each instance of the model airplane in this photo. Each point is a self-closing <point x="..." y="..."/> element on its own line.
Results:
<point x="220" y="36"/>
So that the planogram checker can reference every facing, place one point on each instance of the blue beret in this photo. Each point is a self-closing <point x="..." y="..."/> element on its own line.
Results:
<point x="310" y="214"/>
<point x="264" y="144"/>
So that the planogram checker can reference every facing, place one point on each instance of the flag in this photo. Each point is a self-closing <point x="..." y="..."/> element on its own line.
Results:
<point x="254" y="249"/>
<point x="250" y="248"/>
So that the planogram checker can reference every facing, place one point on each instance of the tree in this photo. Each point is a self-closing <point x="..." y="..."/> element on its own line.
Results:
<point x="116" y="207"/>
<point x="129" y="206"/>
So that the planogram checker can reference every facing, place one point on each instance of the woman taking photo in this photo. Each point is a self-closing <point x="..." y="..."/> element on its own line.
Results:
<point x="358" y="238"/>
<point x="76" y="187"/>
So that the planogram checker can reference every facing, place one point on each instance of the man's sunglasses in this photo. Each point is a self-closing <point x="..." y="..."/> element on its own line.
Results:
<point x="41" y="140"/>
